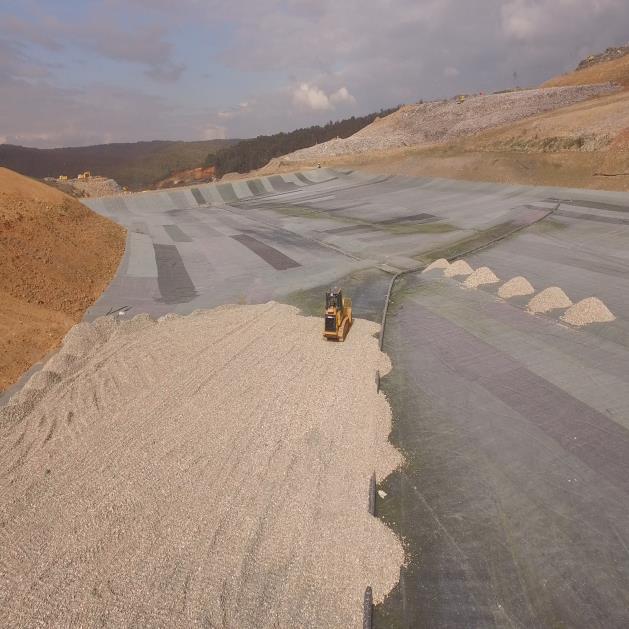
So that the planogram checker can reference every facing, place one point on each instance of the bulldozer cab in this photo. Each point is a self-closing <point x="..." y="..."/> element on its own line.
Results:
<point x="338" y="315"/>
<point x="334" y="299"/>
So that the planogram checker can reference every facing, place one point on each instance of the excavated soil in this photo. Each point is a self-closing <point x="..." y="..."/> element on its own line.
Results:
<point x="57" y="258"/>
<point x="210" y="470"/>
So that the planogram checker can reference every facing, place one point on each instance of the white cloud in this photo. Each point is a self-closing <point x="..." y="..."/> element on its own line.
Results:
<point x="102" y="33"/>
<point x="238" y="110"/>
<point x="528" y="20"/>
<point x="311" y="97"/>
<point x="425" y="49"/>
<point x="214" y="132"/>
<point x="342" y="96"/>
<point x="522" y="19"/>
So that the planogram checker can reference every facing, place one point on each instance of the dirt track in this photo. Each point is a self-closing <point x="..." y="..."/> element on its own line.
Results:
<point x="209" y="470"/>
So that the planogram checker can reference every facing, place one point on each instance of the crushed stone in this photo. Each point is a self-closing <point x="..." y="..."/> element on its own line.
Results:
<point x="482" y="275"/>
<point x="440" y="264"/>
<point x="459" y="267"/>
<point x="586" y="311"/>
<point x="516" y="287"/>
<point x="204" y="470"/>
<point x="551" y="298"/>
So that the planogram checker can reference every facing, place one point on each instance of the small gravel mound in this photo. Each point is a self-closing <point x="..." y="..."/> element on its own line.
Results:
<point x="586" y="311"/>
<point x="460" y="267"/>
<point x="482" y="275"/>
<point x="516" y="287"/>
<point x="549" y="299"/>
<point x="440" y="264"/>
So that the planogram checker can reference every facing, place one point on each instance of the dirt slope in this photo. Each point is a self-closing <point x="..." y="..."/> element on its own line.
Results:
<point x="57" y="258"/>
<point x="447" y="121"/>
<point x="585" y="145"/>
<point x="186" y="178"/>
<point x="201" y="471"/>
<point x="614" y="70"/>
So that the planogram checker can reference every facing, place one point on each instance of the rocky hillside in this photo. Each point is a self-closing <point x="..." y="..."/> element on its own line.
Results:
<point x="610" y="66"/>
<point x="445" y="121"/>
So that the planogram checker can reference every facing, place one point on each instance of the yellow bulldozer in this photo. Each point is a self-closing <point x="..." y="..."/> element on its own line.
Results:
<point x="338" y="315"/>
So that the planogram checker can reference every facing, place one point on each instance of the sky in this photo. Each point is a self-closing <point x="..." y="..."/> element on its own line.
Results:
<point x="97" y="71"/>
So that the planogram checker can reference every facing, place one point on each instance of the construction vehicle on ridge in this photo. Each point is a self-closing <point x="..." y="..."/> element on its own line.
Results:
<point x="338" y="315"/>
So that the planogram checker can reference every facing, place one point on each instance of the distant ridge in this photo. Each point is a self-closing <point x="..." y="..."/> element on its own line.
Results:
<point x="135" y="165"/>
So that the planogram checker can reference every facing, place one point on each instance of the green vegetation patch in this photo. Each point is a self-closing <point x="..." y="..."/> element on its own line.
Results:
<point x="418" y="228"/>
<point x="299" y="211"/>
<point x="475" y="241"/>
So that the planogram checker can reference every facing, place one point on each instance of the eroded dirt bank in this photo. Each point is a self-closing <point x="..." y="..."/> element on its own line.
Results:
<point x="57" y="257"/>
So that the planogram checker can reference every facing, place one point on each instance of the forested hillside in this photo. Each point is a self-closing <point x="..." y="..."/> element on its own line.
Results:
<point x="251" y="154"/>
<point x="136" y="165"/>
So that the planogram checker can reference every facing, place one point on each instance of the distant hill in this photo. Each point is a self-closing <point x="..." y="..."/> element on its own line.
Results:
<point x="135" y="165"/>
<point x="611" y="65"/>
<point x="252" y="154"/>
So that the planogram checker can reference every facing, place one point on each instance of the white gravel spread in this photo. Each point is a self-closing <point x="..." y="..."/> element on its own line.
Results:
<point x="210" y="470"/>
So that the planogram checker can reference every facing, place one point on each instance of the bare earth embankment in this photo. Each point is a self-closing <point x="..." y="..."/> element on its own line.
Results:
<point x="57" y="258"/>
<point x="209" y="470"/>
<point x="568" y="133"/>
<point x="440" y="122"/>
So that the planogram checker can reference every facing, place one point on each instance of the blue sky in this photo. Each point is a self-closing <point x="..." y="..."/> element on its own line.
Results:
<point x="76" y="73"/>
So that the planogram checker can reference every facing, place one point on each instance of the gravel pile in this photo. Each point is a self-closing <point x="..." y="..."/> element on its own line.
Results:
<point x="482" y="275"/>
<point x="516" y="287"/>
<point x="439" y="264"/>
<point x="443" y="121"/>
<point x="96" y="186"/>
<point x="586" y="311"/>
<point x="611" y="53"/>
<point x="460" y="267"/>
<point x="209" y="470"/>
<point x="549" y="299"/>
